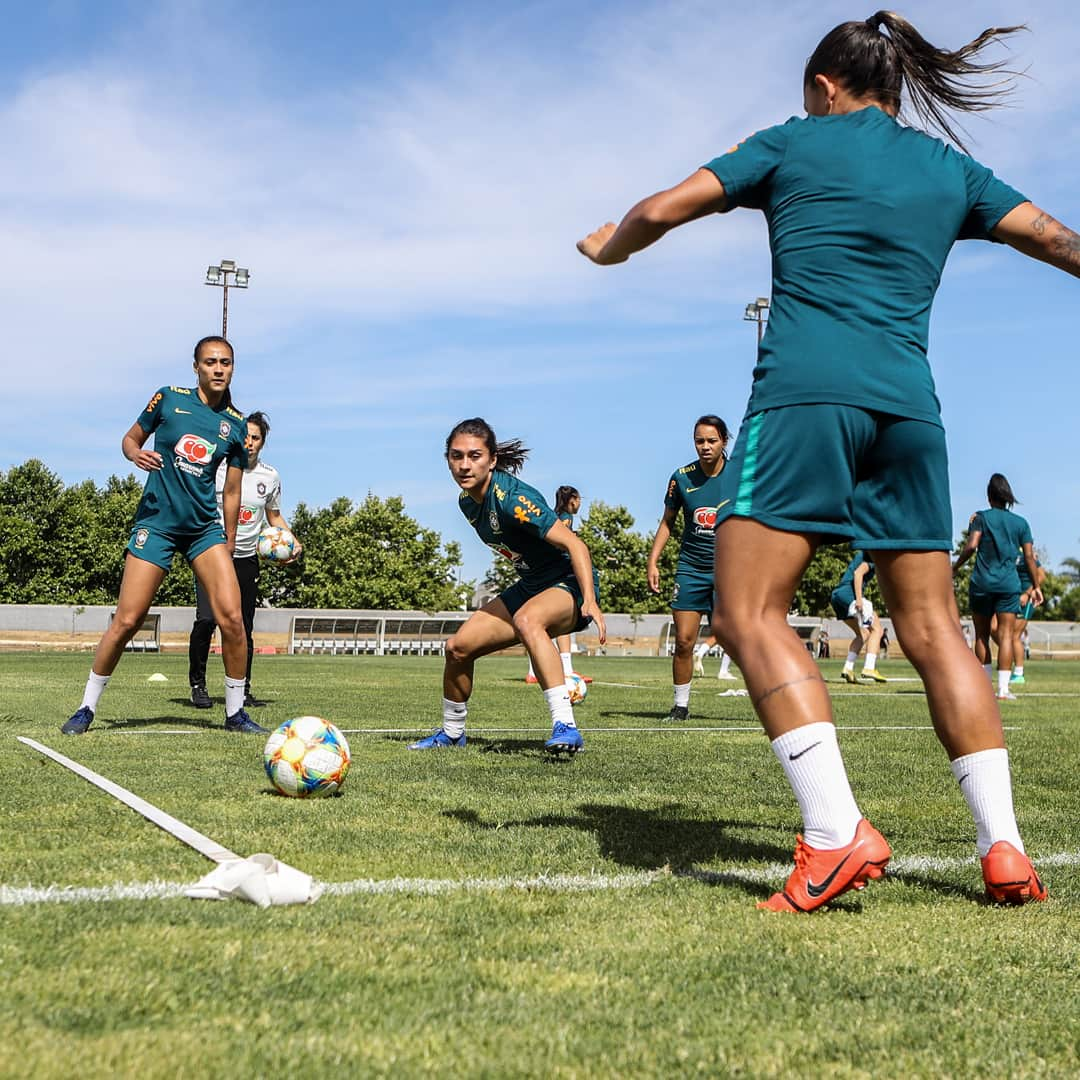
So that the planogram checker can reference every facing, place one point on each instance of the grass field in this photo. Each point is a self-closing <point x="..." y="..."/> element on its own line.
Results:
<point x="497" y="914"/>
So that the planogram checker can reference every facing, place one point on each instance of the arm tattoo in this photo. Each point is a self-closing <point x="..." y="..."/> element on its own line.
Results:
<point x="1066" y="246"/>
<point x="1038" y="226"/>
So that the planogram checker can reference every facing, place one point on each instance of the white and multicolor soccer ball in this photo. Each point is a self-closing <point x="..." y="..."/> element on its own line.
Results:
<point x="577" y="688"/>
<point x="306" y="757"/>
<point x="275" y="545"/>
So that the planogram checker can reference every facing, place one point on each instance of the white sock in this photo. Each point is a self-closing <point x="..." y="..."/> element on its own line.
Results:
<point x="94" y="687"/>
<point x="453" y="717"/>
<point x="987" y="786"/>
<point x="1003" y="682"/>
<point x="815" y="770"/>
<point x="558" y="701"/>
<point x="234" y="695"/>
<point x="567" y="663"/>
<point x="532" y="673"/>
<point x="849" y="663"/>
<point x="725" y="664"/>
<point x="701" y="649"/>
<point x="1018" y="669"/>
<point x="871" y="661"/>
<point x="989" y="669"/>
<point x="682" y="694"/>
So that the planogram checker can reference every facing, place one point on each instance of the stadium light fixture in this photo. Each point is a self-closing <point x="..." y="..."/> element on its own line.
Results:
<point x="755" y="312"/>
<point x="219" y="275"/>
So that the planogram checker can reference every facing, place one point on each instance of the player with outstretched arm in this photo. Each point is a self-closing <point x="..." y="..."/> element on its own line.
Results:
<point x="850" y="602"/>
<point x="862" y="212"/>
<point x="194" y="431"/>
<point x="555" y="594"/>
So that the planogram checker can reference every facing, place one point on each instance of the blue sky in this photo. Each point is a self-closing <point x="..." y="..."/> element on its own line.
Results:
<point x="406" y="183"/>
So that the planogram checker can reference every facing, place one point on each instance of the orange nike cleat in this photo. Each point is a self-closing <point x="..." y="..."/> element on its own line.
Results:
<point x="821" y="876"/>
<point x="1009" y="875"/>
<point x="530" y="679"/>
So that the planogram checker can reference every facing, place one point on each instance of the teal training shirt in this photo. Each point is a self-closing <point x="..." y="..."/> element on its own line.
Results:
<point x="847" y="581"/>
<point x="698" y="497"/>
<point x="193" y="440"/>
<point x="1003" y="532"/>
<point x="513" y="520"/>
<point x="862" y="213"/>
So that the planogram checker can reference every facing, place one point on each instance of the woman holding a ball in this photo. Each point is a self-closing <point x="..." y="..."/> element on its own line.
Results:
<point x="862" y="212"/>
<point x="260" y="505"/>
<point x="194" y="430"/>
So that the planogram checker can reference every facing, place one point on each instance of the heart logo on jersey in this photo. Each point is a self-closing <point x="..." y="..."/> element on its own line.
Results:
<point x="247" y="515"/>
<point x="705" y="516"/>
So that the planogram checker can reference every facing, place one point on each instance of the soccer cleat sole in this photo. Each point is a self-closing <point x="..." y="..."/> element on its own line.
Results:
<point x="1014" y="880"/>
<point x="558" y="749"/>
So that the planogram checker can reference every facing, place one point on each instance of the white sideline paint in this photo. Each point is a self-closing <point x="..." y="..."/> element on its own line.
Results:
<point x="771" y="874"/>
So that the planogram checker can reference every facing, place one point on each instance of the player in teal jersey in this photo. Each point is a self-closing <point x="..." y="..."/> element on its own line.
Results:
<point x="862" y="212"/>
<point x="556" y="592"/>
<point x="693" y="491"/>
<point x="994" y="537"/>
<point x="1027" y="609"/>
<point x="851" y="604"/>
<point x="194" y="430"/>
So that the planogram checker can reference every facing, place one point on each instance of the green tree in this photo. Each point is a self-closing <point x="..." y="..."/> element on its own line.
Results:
<point x="371" y="555"/>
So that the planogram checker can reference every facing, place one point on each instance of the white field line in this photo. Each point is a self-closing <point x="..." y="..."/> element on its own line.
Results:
<point x="773" y="873"/>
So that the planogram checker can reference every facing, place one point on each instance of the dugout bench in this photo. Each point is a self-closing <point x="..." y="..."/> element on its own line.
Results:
<point x="147" y="638"/>
<point x="806" y="626"/>
<point x="348" y="635"/>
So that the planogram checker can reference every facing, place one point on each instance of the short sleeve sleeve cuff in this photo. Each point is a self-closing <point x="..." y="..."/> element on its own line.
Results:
<point x="748" y="166"/>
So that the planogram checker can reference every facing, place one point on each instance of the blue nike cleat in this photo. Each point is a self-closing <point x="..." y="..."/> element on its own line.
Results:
<point x="240" y="721"/>
<point x="564" y="740"/>
<point x="438" y="741"/>
<point x="78" y="724"/>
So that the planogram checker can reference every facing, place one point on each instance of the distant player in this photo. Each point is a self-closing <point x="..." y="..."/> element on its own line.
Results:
<point x="260" y="505"/>
<point x="842" y="436"/>
<point x="567" y="505"/>
<point x="994" y="537"/>
<point x="693" y="491"/>
<point x="1027" y="609"/>
<point x="555" y="593"/>
<point x="851" y="604"/>
<point x="194" y="430"/>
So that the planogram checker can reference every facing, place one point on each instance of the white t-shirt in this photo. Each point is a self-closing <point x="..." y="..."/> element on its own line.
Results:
<point x="260" y="490"/>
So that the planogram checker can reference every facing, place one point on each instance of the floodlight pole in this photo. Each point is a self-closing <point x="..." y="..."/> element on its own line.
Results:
<point x="755" y="312"/>
<point x="219" y="275"/>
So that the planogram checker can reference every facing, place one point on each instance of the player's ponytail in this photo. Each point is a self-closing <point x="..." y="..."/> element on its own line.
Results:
<point x="999" y="493"/>
<point x="509" y="456"/>
<point x="881" y="56"/>
<point x="563" y="496"/>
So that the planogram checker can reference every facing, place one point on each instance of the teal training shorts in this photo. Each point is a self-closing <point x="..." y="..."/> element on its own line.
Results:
<point x="989" y="604"/>
<point x="694" y="590"/>
<point x="158" y="547"/>
<point x="1027" y="609"/>
<point x="842" y="473"/>
<point x="521" y="591"/>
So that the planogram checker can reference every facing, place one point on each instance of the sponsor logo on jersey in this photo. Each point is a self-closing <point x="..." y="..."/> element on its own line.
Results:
<point x="499" y="493"/>
<point x="180" y="390"/>
<point x="154" y="402"/>
<point x="705" y="517"/>
<point x="513" y="556"/>
<point x="524" y="509"/>
<point x="141" y="536"/>
<point x="195" y="449"/>
<point x="247" y="514"/>
<point x="493" y="521"/>
<point x="224" y="429"/>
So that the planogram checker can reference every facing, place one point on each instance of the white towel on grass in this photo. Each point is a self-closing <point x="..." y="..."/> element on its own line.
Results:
<point x="259" y="879"/>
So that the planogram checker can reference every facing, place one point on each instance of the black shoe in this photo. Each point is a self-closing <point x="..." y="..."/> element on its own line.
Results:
<point x="200" y="698"/>
<point x="78" y="724"/>
<point x="678" y="714"/>
<point x="252" y="702"/>
<point x="240" y="721"/>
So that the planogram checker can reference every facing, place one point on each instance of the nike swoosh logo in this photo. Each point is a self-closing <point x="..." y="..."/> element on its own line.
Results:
<point x="795" y="757"/>
<point x="723" y="504"/>
<point x="186" y="412"/>
<point x="963" y="778"/>
<point x="689" y="490"/>
<point x="816" y="890"/>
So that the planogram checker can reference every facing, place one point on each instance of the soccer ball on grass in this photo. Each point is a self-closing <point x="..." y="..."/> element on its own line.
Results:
<point x="306" y="757"/>
<point x="577" y="688"/>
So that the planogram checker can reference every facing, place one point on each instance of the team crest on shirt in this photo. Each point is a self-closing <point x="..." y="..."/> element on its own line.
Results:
<point x="261" y="488"/>
<point x="224" y="429"/>
<point x="493" y="521"/>
<point x="141" y="536"/>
